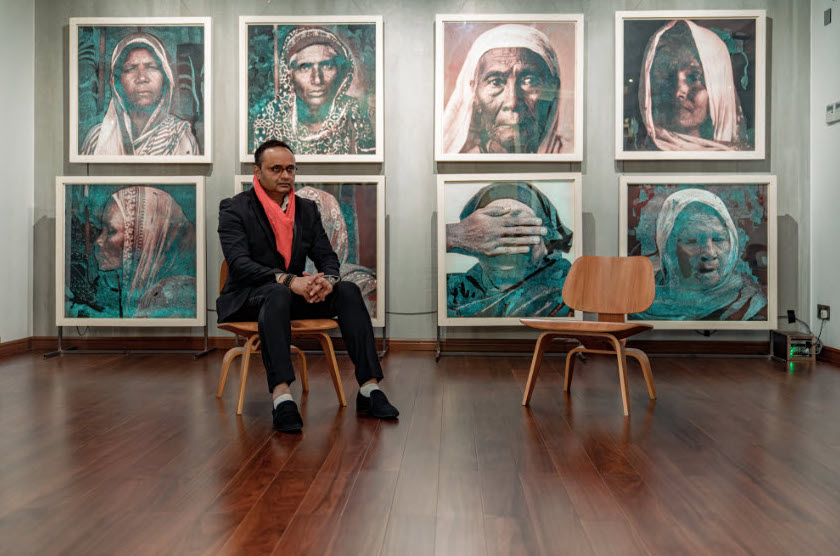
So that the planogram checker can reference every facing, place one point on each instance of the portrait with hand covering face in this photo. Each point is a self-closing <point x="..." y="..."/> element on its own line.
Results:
<point x="691" y="88"/>
<point x="508" y="88"/>
<point x="712" y="248"/>
<point x="500" y="287"/>
<point x="130" y="254"/>
<point x="139" y="92"/>
<point x="314" y="85"/>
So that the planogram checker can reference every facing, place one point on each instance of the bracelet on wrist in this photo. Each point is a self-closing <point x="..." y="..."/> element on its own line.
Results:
<point x="287" y="280"/>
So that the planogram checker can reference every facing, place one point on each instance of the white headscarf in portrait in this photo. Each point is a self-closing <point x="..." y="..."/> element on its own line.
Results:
<point x="724" y="106"/>
<point x="668" y="214"/>
<point x="163" y="132"/>
<point x="459" y="110"/>
<point x="737" y="296"/>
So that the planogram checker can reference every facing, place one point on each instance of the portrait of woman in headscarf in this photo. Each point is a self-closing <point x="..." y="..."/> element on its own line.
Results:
<point x="146" y="252"/>
<point x="515" y="285"/>
<point x="506" y="98"/>
<point x="312" y="109"/>
<point x="688" y="93"/>
<point x="701" y="271"/>
<point x="138" y="120"/>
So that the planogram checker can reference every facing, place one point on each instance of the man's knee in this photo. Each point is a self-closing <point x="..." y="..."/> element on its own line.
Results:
<point x="347" y="289"/>
<point x="278" y="295"/>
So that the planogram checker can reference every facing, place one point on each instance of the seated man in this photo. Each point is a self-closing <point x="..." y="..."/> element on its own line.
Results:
<point x="266" y="234"/>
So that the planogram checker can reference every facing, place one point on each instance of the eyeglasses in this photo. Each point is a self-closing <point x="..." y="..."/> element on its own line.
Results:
<point x="280" y="169"/>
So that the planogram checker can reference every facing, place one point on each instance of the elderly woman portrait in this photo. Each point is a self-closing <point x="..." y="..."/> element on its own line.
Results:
<point x="146" y="252"/>
<point x="311" y="109"/>
<point x="138" y="120"/>
<point x="506" y="97"/>
<point x="701" y="274"/>
<point x="528" y="282"/>
<point x="688" y="93"/>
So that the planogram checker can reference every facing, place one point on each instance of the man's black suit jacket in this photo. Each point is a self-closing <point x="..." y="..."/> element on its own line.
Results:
<point x="251" y="251"/>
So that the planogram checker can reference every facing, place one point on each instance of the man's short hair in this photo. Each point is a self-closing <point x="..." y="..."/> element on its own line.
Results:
<point x="270" y="144"/>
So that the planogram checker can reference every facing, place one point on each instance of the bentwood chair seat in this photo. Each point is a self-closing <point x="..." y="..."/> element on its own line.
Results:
<point x="612" y="287"/>
<point x="302" y="328"/>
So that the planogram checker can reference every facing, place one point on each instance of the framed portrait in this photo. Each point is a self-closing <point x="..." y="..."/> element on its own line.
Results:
<point x="313" y="82"/>
<point x="712" y="241"/>
<point x="140" y="89"/>
<point x="505" y="245"/>
<point x="130" y="251"/>
<point x="690" y="85"/>
<point x="353" y="213"/>
<point x="491" y="105"/>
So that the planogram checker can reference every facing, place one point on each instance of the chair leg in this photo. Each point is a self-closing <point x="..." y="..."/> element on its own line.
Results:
<point x="644" y="362"/>
<point x="243" y="373"/>
<point x="536" y="361"/>
<point x="570" y="366"/>
<point x="231" y="354"/>
<point x="329" y="353"/>
<point x="304" y="376"/>
<point x="622" y="374"/>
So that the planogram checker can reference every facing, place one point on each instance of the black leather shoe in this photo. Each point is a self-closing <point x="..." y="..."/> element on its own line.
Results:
<point x="286" y="417"/>
<point x="377" y="405"/>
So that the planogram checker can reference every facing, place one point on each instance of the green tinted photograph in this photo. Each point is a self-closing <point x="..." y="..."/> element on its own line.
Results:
<point x="131" y="253"/>
<point x="313" y="85"/>
<point x="140" y="92"/>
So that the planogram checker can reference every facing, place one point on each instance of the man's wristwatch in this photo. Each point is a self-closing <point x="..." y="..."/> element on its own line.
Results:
<point x="287" y="279"/>
<point x="332" y="279"/>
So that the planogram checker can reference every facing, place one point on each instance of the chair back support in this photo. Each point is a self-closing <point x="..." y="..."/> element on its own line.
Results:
<point x="610" y="285"/>
<point x="222" y="275"/>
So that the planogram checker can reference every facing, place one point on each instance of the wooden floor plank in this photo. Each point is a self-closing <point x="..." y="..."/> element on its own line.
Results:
<point x="133" y="454"/>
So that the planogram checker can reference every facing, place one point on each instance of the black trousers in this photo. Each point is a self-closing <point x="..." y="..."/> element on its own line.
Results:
<point x="274" y="306"/>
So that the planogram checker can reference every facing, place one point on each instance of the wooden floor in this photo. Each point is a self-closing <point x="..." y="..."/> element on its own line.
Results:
<point x="107" y="455"/>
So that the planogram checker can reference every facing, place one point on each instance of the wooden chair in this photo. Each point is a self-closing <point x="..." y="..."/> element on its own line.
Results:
<point x="611" y="287"/>
<point x="312" y="328"/>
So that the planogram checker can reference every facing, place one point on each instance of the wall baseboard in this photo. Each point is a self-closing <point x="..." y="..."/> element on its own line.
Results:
<point x="15" y="347"/>
<point x="467" y="345"/>
<point x="830" y="355"/>
<point x="658" y="347"/>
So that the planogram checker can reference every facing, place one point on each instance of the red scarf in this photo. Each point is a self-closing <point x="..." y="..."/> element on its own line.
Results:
<point x="282" y="223"/>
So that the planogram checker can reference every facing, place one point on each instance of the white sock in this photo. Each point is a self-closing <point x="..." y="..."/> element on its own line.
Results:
<point x="282" y="398"/>
<point x="368" y="388"/>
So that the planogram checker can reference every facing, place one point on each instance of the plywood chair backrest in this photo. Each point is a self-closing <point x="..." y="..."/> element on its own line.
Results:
<point x="610" y="286"/>
<point x="222" y="275"/>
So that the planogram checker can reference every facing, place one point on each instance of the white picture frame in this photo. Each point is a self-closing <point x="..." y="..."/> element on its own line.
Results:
<point x="93" y="250"/>
<point x="717" y="184"/>
<point x="359" y="96"/>
<point x="361" y="275"/>
<point x="734" y="131"/>
<point x="191" y="93"/>
<point x="554" y="28"/>
<point x="455" y="191"/>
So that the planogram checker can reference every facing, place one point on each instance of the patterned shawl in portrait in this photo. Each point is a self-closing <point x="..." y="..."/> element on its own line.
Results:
<point x="345" y="130"/>
<point x="158" y="256"/>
